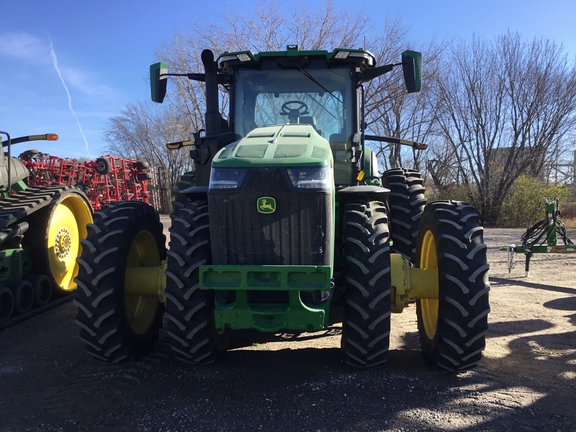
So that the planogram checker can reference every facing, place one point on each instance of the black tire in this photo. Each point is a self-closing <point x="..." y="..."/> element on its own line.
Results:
<point x="406" y="201"/>
<point x="114" y="325"/>
<point x="139" y="165"/>
<point x="23" y="293"/>
<point x="146" y="176"/>
<point x="82" y="186"/>
<point x="189" y="310"/>
<point x="453" y="328"/>
<point x="62" y="178"/>
<point x="188" y="179"/>
<point x="29" y="154"/>
<point x="6" y="304"/>
<point x="366" y="324"/>
<point x="103" y="166"/>
<point x="42" y="289"/>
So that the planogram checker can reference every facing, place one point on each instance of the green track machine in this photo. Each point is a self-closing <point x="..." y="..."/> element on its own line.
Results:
<point x="40" y="233"/>
<point x="542" y="237"/>
<point x="285" y="219"/>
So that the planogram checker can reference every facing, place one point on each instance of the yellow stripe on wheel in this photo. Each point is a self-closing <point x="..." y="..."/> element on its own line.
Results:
<point x="429" y="307"/>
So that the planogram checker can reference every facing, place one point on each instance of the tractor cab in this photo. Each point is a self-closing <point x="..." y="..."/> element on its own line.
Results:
<point x="293" y="87"/>
<point x="320" y="88"/>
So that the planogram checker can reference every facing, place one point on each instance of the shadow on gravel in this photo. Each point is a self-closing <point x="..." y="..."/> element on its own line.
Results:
<point x="565" y="304"/>
<point x="494" y="282"/>
<point x="509" y="328"/>
<point x="246" y="338"/>
<point x="48" y="383"/>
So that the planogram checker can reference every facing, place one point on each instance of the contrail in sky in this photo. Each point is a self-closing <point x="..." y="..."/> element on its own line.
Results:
<point x="55" y="61"/>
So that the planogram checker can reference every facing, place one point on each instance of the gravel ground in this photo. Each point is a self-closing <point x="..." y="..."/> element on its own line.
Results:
<point x="525" y="382"/>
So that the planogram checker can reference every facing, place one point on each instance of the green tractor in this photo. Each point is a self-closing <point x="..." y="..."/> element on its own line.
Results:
<point x="284" y="216"/>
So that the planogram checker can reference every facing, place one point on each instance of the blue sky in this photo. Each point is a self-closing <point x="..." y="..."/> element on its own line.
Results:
<point x="69" y="65"/>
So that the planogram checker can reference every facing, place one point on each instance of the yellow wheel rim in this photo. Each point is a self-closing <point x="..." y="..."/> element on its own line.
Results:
<point x="141" y="310"/>
<point x="429" y="307"/>
<point x="67" y="227"/>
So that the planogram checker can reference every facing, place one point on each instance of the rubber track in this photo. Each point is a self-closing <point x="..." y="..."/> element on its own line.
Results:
<point x="463" y="286"/>
<point x="22" y="204"/>
<point x="15" y="209"/>
<point x="37" y="311"/>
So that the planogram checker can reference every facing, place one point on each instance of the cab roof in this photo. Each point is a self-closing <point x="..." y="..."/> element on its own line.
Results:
<point x="293" y="56"/>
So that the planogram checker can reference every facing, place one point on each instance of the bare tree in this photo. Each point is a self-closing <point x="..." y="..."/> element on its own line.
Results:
<point x="140" y="132"/>
<point x="390" y="111"/>
<point x="268" y="29"/>
<point x="505" y="106"/>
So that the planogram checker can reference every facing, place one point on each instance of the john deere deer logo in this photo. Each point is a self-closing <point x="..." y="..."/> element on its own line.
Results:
<point x="266" y="205"/>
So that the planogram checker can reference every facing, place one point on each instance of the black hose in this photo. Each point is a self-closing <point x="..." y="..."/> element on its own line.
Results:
<point x="537" y="234"/>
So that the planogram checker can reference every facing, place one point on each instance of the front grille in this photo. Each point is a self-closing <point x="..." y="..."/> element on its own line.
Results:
<point x="297" y="233"/>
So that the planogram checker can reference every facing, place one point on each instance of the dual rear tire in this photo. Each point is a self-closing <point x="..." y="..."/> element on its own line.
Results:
<point x="452" y="327"/>
<point x="117" y="323"/>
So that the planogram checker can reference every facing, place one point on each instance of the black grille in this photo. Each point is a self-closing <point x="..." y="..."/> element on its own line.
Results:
<point x="297" y="233"/>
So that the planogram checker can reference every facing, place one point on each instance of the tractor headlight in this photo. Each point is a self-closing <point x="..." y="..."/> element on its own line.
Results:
<point x="227" y="178"/>
<point x="311" y="177"/>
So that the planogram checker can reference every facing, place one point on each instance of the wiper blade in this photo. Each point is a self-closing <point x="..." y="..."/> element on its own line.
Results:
<point x="315" y="81"/>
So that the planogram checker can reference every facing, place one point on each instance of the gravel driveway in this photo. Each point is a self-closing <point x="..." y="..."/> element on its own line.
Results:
<point x="525" y="382"/>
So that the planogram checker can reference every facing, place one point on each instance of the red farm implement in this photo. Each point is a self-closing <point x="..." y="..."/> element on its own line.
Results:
<point x="105" y="180"/>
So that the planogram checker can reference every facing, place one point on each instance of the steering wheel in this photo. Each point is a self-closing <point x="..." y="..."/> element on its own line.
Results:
<point x="372" y="180"/>
<point x="294" y="109"/>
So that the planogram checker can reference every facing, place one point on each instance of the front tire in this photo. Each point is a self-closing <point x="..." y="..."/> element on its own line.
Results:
<point x="453" y="328"/>
<point x="117" y="325"/>
<point x="366" y="325"/>
<point x="190" y="310"/>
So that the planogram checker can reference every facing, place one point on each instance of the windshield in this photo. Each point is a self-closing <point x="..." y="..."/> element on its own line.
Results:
<point x="320" y="97"/>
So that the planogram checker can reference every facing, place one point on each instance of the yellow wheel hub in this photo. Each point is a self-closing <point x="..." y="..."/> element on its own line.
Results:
<point x="67" y="227"/>
<point x="63" y="243"/>
<point x="429" y="307"/>
<point x="141" y="309"/>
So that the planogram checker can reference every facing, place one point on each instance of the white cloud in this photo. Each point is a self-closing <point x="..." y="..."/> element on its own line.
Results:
<point x="25" y="46"/>
<point x="33" y="50"/>
<point x="84" y="82"/>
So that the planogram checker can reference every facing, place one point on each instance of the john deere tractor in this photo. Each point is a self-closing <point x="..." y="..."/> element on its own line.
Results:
<point x="285" y="215"/>
<point x="40" y="232"/>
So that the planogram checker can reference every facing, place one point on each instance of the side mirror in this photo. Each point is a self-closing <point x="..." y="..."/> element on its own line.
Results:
<point x="158" y="81"/>
<point x="412" y="68"/>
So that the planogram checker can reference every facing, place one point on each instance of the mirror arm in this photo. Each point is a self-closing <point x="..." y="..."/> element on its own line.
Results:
<point x="370" y="74"/>
<point x="222" y="79"/>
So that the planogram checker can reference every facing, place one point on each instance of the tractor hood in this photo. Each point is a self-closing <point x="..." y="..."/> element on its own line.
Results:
<point x="280" y="145"/>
